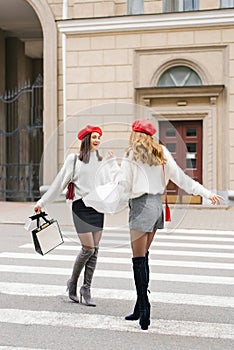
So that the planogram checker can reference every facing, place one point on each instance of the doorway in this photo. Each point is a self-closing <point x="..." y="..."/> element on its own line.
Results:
<point x="184" y="140"/>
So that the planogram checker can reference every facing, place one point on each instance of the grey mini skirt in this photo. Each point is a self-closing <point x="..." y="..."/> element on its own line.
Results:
<point x="146" y="213"/>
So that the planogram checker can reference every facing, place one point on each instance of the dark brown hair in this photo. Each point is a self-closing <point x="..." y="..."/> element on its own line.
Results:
<point x="84" y="155"/>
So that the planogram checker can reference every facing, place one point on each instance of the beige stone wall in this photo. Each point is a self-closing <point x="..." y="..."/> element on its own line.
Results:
<point x="90" y="8"/>
<point x="106" y="68"/>
<point x="103" y="69"/>
<point x="102" y="8"/>
<point x="153" y="6"/>
<point x="209" y="4"/>
<point x="56" y="7"/>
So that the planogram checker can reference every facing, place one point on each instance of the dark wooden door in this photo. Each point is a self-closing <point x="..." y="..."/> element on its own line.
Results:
<point x="184" y="140"/>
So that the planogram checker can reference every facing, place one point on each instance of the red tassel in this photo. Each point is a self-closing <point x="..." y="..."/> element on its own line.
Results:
<point x="70" y="191"/>
<point x="167" y="213"/>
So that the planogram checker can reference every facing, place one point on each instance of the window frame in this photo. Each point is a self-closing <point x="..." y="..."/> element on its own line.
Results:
<point x="176" y="82"/>
<point x="135" y="7"/>
<point x="170" y="6"/>
<point x="222" y="6"/>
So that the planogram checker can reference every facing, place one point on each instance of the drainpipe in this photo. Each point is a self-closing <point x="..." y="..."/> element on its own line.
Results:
<point x="64" y="63"/>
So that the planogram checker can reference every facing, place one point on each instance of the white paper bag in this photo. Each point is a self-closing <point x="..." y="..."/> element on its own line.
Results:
<point x="46" y="233"/>
<point x="47" y="237"/>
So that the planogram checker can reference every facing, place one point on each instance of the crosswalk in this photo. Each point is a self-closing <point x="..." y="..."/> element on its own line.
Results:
<point x="188" y="269"/>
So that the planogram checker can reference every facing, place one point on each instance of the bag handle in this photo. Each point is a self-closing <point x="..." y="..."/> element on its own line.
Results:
<point x="38" y="216"/>
<point x="42" y="214"/>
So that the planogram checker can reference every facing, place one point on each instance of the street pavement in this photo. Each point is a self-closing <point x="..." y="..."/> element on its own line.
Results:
<point x="191" y="274"/>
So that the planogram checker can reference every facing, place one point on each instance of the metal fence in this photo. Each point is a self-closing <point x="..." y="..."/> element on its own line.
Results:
<point x="21" y="141"/>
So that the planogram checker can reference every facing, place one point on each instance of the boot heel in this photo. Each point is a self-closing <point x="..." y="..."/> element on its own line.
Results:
<point x="85" y="293"/>
<point x="145" y="320"/>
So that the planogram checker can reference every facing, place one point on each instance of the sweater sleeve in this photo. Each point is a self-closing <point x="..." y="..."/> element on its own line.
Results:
<point x="60" y="182"/>
<point x="177" y="175"/>
<point x="108" y="171"/>
<point x="125" y="175"/>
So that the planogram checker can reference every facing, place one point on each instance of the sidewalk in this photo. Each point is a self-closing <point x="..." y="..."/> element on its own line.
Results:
<point x="183" y="217"/>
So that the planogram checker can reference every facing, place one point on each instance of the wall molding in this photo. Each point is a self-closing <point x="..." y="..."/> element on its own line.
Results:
<point x="135" y="23"/>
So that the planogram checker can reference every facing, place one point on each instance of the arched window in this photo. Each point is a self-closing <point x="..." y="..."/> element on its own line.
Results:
<point x="179" y="76"/>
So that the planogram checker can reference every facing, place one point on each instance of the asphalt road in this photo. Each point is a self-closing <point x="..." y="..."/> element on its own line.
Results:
<point x="192" y="293"/>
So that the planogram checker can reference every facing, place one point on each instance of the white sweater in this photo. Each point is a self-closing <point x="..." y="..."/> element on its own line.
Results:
<point x="138" y="178"/>
<point x="86" y="177"/>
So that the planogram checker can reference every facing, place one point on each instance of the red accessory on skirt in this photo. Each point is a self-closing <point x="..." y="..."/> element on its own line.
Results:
<point x="143" y="125"/>
<point x="88" y="130"/>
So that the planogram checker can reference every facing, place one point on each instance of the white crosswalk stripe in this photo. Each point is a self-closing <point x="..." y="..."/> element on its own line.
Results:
<point x="191" y="250"/>
<point x="40" y="290"/>
<point x="113" y="260"/>
<point x="121" y="274"/>
<point x="166" y="327"/>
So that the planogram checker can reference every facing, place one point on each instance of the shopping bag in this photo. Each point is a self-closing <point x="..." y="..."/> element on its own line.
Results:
<point x="106" y="198"/>
<point x="47" y="236"/>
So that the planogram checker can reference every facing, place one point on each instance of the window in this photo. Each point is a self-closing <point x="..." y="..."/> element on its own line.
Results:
<point x="179" y="76"/>
<point x="227" y="3"/>
<point x="135" y="7"/>
<point x="180" y="5"/>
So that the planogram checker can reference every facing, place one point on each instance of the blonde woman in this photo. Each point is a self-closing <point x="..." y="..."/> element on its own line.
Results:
<point x="143" y="179"/>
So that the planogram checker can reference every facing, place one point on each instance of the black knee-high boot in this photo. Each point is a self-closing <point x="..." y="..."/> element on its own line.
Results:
<point x="136" y="314"/>
<point x="141" y="287"/>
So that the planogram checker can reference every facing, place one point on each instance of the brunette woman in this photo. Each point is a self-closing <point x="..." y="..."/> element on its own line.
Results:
<point x="143" y="179"/>
<point x="90" y="170"/>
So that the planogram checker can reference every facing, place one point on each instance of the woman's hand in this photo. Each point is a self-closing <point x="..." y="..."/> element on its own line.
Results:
<point x="37" y="209"/>
<point x="215" y="198"/>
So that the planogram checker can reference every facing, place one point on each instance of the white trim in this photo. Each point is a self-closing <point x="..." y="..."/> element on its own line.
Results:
<point x="50" y="112"/>
<point x="147" y="22"/>
<point x="64" y="65"/>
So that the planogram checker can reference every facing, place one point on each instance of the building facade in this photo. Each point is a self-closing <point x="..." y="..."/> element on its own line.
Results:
<point x="109" y="62"/>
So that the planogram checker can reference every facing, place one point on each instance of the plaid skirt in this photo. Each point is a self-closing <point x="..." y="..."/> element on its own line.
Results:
<point x="146" y="213"/>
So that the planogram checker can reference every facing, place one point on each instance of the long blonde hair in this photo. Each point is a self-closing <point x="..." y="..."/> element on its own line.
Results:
<point x="145" y="149"/>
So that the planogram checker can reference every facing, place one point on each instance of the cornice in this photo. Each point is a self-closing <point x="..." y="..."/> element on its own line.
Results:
<point x="147" y="22"/>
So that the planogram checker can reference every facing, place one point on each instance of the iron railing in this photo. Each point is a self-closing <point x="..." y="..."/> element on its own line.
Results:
<point x="21" y="141"/>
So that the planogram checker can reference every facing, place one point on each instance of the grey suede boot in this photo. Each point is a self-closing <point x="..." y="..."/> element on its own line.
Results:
<point x="80" y="262"/>
<point x="88" y="276"/>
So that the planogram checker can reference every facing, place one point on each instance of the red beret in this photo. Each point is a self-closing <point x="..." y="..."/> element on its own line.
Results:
<point x="143" y="125"/>
<point x="88" y="130"/>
